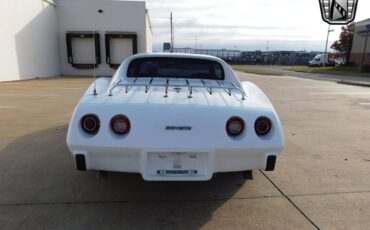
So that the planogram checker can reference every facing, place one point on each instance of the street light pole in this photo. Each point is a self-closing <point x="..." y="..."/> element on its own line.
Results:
<point x="326" y="46"/>
<point x="196" y="44"/>
<point x="172" y="34"/>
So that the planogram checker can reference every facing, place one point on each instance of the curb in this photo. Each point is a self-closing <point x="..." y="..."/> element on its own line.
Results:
<point x="355" y="83"/>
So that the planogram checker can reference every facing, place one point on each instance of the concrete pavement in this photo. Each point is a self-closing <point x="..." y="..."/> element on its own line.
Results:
<point x="284" y="70"/>
<point x="321" y="180"/>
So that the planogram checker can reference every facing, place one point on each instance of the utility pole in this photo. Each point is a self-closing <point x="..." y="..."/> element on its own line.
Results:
<point x="172" y="34"/>
<point x="196" y="43"/>
<point x="267" y="49"/>
<point x="326" y="46"/>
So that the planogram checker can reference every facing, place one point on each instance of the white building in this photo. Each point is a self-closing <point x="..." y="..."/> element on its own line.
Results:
<point x="360" y="53"/>
<point x="42" y="38"/>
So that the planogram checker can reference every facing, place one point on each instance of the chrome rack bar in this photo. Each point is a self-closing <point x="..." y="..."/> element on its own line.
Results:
<point x="209" y="90"/>
<point x="241" y="90"/>
<point x="167" y="82"/>
<point x="51" y="2"/>
<point x="149" y="83"/>
<point x="114" y="86"/>
<point x="189" y="88"/>
<point x="223" y="87"/>
<point x="147" y="87"/>
<point x="128" y="87"/>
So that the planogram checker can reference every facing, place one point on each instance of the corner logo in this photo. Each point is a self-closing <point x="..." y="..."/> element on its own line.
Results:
<point x="338" y="12"/>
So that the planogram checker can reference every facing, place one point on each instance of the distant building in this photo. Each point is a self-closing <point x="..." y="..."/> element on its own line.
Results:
<point x="360" y="53"/>
<point x="42" y="38"/>
<point x="227" y="55"/>
<point x="254" y="57"/>
<point x="166" y="47"/>
<point x="277" y="57"/>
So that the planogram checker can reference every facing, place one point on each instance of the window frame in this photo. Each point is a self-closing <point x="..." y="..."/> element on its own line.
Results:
<point x="222" y="76"/>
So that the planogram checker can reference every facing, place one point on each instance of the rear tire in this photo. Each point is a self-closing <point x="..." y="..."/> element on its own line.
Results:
<point x="248" y="175"/>
<point x="101" y="174"/>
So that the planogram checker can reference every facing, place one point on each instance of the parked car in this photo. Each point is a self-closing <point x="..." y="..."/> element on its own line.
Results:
<point x="173" y="117"/>
<point x="319" y="61"/>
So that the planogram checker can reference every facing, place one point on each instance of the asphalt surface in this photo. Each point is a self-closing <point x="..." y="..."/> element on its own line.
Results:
<point x="322" y="179"/>
<point x="284" y="70"/>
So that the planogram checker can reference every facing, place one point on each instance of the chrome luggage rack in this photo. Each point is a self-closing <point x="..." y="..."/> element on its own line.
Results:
<point x="146" y="82"/>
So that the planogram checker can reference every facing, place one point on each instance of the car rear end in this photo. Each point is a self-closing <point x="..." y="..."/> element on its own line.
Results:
<point x="174" y="132"/>
<point x="182" y="139"/>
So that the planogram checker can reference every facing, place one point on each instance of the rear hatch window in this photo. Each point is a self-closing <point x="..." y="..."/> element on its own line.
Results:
<point x="164" y="67"/>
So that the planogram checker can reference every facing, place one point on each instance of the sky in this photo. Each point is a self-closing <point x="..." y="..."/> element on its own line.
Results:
<point x="244" y="24"/>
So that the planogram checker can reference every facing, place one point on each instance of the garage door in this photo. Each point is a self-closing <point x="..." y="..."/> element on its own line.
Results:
<point x="83" y="49"/>
<point x="120" y="49"/>
<point x="119" y="46"/>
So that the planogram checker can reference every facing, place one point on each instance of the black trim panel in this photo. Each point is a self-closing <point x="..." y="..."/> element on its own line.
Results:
<point x="69" y="40"/>
<point x="270" y="166"/>
<point x="80" y="162"/>
<point x="134" y="67"/>
<point x="120" y="35"/>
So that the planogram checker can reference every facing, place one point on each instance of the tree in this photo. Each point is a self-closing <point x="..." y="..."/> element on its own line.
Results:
<point x="344" y="45"/>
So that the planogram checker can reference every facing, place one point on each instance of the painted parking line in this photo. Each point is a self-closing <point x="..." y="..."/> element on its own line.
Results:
<point x="342" y="93"/>
<point x="7" y="107"/>
<point x="72" y="88"/>
<point x="311" y="87"/>
<point x="28" y="95"/>
<point x="306" y="99"/>
<point x="46" y="95"/>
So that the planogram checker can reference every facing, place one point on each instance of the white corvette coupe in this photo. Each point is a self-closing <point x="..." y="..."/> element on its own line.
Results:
<point x="174" y="117"/>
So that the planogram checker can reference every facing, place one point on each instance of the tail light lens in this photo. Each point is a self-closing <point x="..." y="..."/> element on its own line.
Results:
<point x="235" y="126"/>
<point x="262" y="126"/>
<point x="90" y="123"/>
<point x="120" y="124"/>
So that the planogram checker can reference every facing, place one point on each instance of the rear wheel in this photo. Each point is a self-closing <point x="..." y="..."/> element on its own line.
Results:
<point x="101" y="174"/>
<point x="248" y="175"/>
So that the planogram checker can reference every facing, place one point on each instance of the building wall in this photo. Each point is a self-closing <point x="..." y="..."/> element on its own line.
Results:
<point x="29" y="45"/>
<point x="359" y="44"/>
<point x="33" y="34"/>
<point x="82" y="15"/>
<point x="149" y="34"/>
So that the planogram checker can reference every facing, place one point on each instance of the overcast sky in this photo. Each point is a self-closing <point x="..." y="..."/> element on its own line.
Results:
<point x="244" y="24"/>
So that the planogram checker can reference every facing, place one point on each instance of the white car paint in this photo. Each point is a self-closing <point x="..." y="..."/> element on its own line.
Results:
<point x="149" y="147"/>
<point x="318" y="60"/>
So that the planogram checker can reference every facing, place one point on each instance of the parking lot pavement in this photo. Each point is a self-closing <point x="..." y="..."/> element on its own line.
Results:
<point x="284" y="71"/>
<point x="322" y="179"/>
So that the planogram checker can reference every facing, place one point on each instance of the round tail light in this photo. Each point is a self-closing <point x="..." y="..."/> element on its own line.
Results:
<point x="120" y="124"/>
<point x="262" y="126"/>
<point x="90" y="123"/>
<point x="235" y="126"/>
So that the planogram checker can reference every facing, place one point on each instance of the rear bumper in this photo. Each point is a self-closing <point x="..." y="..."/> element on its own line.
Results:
<point x="175" y="165"/>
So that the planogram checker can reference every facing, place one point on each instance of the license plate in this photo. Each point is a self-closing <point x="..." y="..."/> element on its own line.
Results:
<point x="176" y="163"/>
